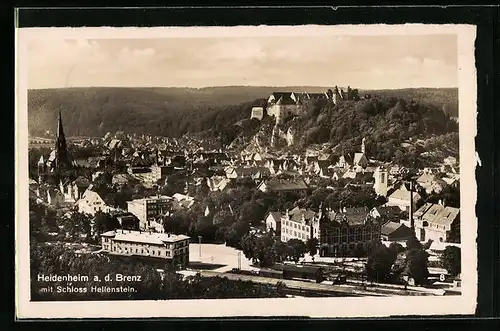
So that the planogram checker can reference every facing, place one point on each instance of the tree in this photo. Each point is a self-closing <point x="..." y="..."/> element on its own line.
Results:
<point x="248" y="246"/>
<point x="451" y="260"/>
<point x="282" y="250"/>
<point x="396" y="247"/>
<point x="312" y="246"/>
<point x="413" y="243"/>
<point x="104" y="222"/>
<point x="359" y="251"/>
<point x="416" y="265"/>
<point x="297" y="249"/>
<point x="379" y="264"/>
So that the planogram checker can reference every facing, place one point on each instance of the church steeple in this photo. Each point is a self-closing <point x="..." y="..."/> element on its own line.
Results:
<point x="62" y="159"/>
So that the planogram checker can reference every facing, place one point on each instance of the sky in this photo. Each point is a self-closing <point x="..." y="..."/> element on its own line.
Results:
<point x="364" y="62"/>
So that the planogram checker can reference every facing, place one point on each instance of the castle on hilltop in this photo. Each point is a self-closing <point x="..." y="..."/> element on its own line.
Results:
<point x="283" y="105"/>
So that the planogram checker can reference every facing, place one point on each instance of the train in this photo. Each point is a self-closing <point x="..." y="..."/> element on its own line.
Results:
<point x="289" y="271"/>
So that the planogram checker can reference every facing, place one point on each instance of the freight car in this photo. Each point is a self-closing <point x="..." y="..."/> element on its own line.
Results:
<point x="271" y="273"/>
<point x="302" y="272"/>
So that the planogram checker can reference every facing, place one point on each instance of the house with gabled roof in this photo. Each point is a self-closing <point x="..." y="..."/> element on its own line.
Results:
<point x="94" y="200"/>
<point x="273" y="222"/>
<point x="345" y="161"/>
<point x="401" y="198"/>
<point x="281" y="185"/>
<point x="437" y="222"/>
<point x="395" y="231"/>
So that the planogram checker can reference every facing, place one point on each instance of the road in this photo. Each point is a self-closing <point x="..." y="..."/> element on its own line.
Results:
<point x="295" y="284"/>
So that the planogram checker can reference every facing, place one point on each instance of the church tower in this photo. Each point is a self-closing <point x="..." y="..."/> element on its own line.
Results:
<point x="363" y="146"/>
<point x="381" y="178"/>
<point x="62" y="158"/>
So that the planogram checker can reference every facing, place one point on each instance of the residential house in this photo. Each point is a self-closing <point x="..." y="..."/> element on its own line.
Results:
<point x="273" y="222"/>
<point x="431" y="183"/>
<point x="401" y="197"/>
<point x="452" y="181"/>
<point x="447" y="168"/>
<point x="123" y="179"/>
<point x="92" y="201"/>
<point x="388" y="213"/>
<point x="181" y="201"/>
<point x="127" y="221"/>
<point x="450" y="160"/>
<point x="395" y="231"/>
<point x="217" y="183"/>
<point x="281" y="185"/>
<point x="345" y="161"/>
<point x="240" y="172"/>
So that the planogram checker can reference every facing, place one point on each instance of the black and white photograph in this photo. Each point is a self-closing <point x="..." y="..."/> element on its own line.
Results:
<point x="289" y="170"/>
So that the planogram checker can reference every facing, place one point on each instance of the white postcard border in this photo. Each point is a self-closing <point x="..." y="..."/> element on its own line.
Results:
<point x="313" y="307"/>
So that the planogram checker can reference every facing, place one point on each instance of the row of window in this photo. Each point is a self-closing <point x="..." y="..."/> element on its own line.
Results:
<point x="153" y="252"/>
<point x="366" y="229"/>
<point x="296" y="226"/>
<point x="299" y="236"/>
<point x="337" y="239"/>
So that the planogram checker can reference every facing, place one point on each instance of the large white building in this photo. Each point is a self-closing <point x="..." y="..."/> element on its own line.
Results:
<point x="299" y="224"/>
<point x="437" y="222"/>
<point x="147" y="244"/>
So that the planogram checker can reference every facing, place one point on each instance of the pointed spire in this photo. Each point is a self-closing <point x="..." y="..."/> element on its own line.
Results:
<point x="61" y="159"/>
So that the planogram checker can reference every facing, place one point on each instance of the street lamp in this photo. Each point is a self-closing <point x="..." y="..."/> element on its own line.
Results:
<point x="199" y="246"/>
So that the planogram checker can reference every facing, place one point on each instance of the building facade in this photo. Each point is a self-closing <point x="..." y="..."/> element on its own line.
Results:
<point x="299" y="224"/>
<point x="149" y="209"/>
<point x="174" y="248"/>
<point x="340" y="232"/>
<point x="437" y="222"/>
<point x="258" y="113"/>
<point x="92" y="203"/>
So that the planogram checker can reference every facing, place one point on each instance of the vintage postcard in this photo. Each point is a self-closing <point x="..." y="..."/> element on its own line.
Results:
<point x="246" y="171"/>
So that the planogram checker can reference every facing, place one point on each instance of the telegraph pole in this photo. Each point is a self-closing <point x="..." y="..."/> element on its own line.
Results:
<point x="411" y="188"/>
<point x="199" y="246"/>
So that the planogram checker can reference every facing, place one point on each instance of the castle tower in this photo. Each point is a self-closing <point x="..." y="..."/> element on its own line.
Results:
<point x="62" y="157"/>
<point x="381" y="184"/>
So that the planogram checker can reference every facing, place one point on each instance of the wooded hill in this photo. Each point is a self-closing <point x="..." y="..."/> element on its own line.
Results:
<point x="174" y="111"/>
